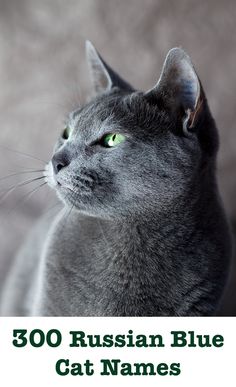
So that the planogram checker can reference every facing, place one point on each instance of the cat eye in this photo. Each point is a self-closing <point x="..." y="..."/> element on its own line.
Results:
<point x="66" y="133"/>
<point x="112" y="139"/>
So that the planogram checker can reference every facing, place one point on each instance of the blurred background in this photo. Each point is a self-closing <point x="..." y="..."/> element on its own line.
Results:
<point x="43" y="75"/>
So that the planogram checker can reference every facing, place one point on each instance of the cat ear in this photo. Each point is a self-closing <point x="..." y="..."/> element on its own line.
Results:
<point x="103" y="77"/>
<point x="180" y="84"/>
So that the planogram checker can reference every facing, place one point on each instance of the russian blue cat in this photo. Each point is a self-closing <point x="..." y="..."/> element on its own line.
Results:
<point x="142" y="231"/>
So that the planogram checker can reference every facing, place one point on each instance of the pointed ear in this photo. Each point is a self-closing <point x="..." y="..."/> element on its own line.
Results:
<point x="103" y="77"/>
<point x="180" y="87"/>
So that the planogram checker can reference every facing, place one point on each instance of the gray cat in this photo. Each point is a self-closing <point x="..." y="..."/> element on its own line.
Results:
<point x="142" y="231"/>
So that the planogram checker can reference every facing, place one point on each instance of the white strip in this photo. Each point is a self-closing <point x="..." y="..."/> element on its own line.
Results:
<point x="31" y="366"/>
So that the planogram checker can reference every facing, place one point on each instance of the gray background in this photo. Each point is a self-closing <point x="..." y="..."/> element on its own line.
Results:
<point x="43" y="74"/>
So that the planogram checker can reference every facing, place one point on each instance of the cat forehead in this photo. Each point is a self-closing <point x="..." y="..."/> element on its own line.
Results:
<point x="114" y="113"/>
<point x="101" y="112"/>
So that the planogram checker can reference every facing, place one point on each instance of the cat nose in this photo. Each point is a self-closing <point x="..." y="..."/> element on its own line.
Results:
<point x="59" y="161"/>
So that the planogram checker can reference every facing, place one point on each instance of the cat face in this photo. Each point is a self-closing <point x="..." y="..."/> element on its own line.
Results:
<point x="128" y="152"/>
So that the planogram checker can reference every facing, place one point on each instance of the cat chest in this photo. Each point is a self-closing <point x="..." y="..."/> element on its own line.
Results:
<point x="85" y="280"/>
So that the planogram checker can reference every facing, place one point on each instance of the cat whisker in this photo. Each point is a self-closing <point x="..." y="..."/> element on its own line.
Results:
<point x="67" y="211"/>
<point x="21" y="173"/>
<point x="52" y="207"/>
<point x="26" y="197"/>
<point x="13" y="188"/>
<point x="22" y="168"/>
<point x="103" y="234"/>
<point x="24" y="154"/>
<point x="71" y="208"/>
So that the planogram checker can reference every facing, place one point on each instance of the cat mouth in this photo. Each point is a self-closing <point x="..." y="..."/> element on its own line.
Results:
<point x="49" y="176"/>
<point x="54" y="181"/>
<point x="70" y="197"/>
<point x="75" y="192"/>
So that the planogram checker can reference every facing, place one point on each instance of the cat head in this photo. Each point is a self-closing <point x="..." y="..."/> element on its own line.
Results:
<point x="127" y="152"/>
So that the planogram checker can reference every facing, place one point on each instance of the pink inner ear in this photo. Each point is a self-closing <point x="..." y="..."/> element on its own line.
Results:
<point x="194" y="115"/>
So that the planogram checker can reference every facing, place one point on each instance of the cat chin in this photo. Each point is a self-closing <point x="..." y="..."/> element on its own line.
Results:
<point x="79" y="207"/>
<point x="67" y="198"/>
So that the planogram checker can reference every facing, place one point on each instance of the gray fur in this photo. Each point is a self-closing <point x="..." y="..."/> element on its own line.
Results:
<point x="142" y="231"/>
<point x="103" y="77"/>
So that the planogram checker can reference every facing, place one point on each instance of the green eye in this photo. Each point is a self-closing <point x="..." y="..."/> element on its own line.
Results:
<point x="66" y="133"/>
<point x="112" y="139"/>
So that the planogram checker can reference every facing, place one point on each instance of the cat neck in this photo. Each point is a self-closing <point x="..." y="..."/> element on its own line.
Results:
<point x="126" y="263"/>
<point x="158" y="232"/>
